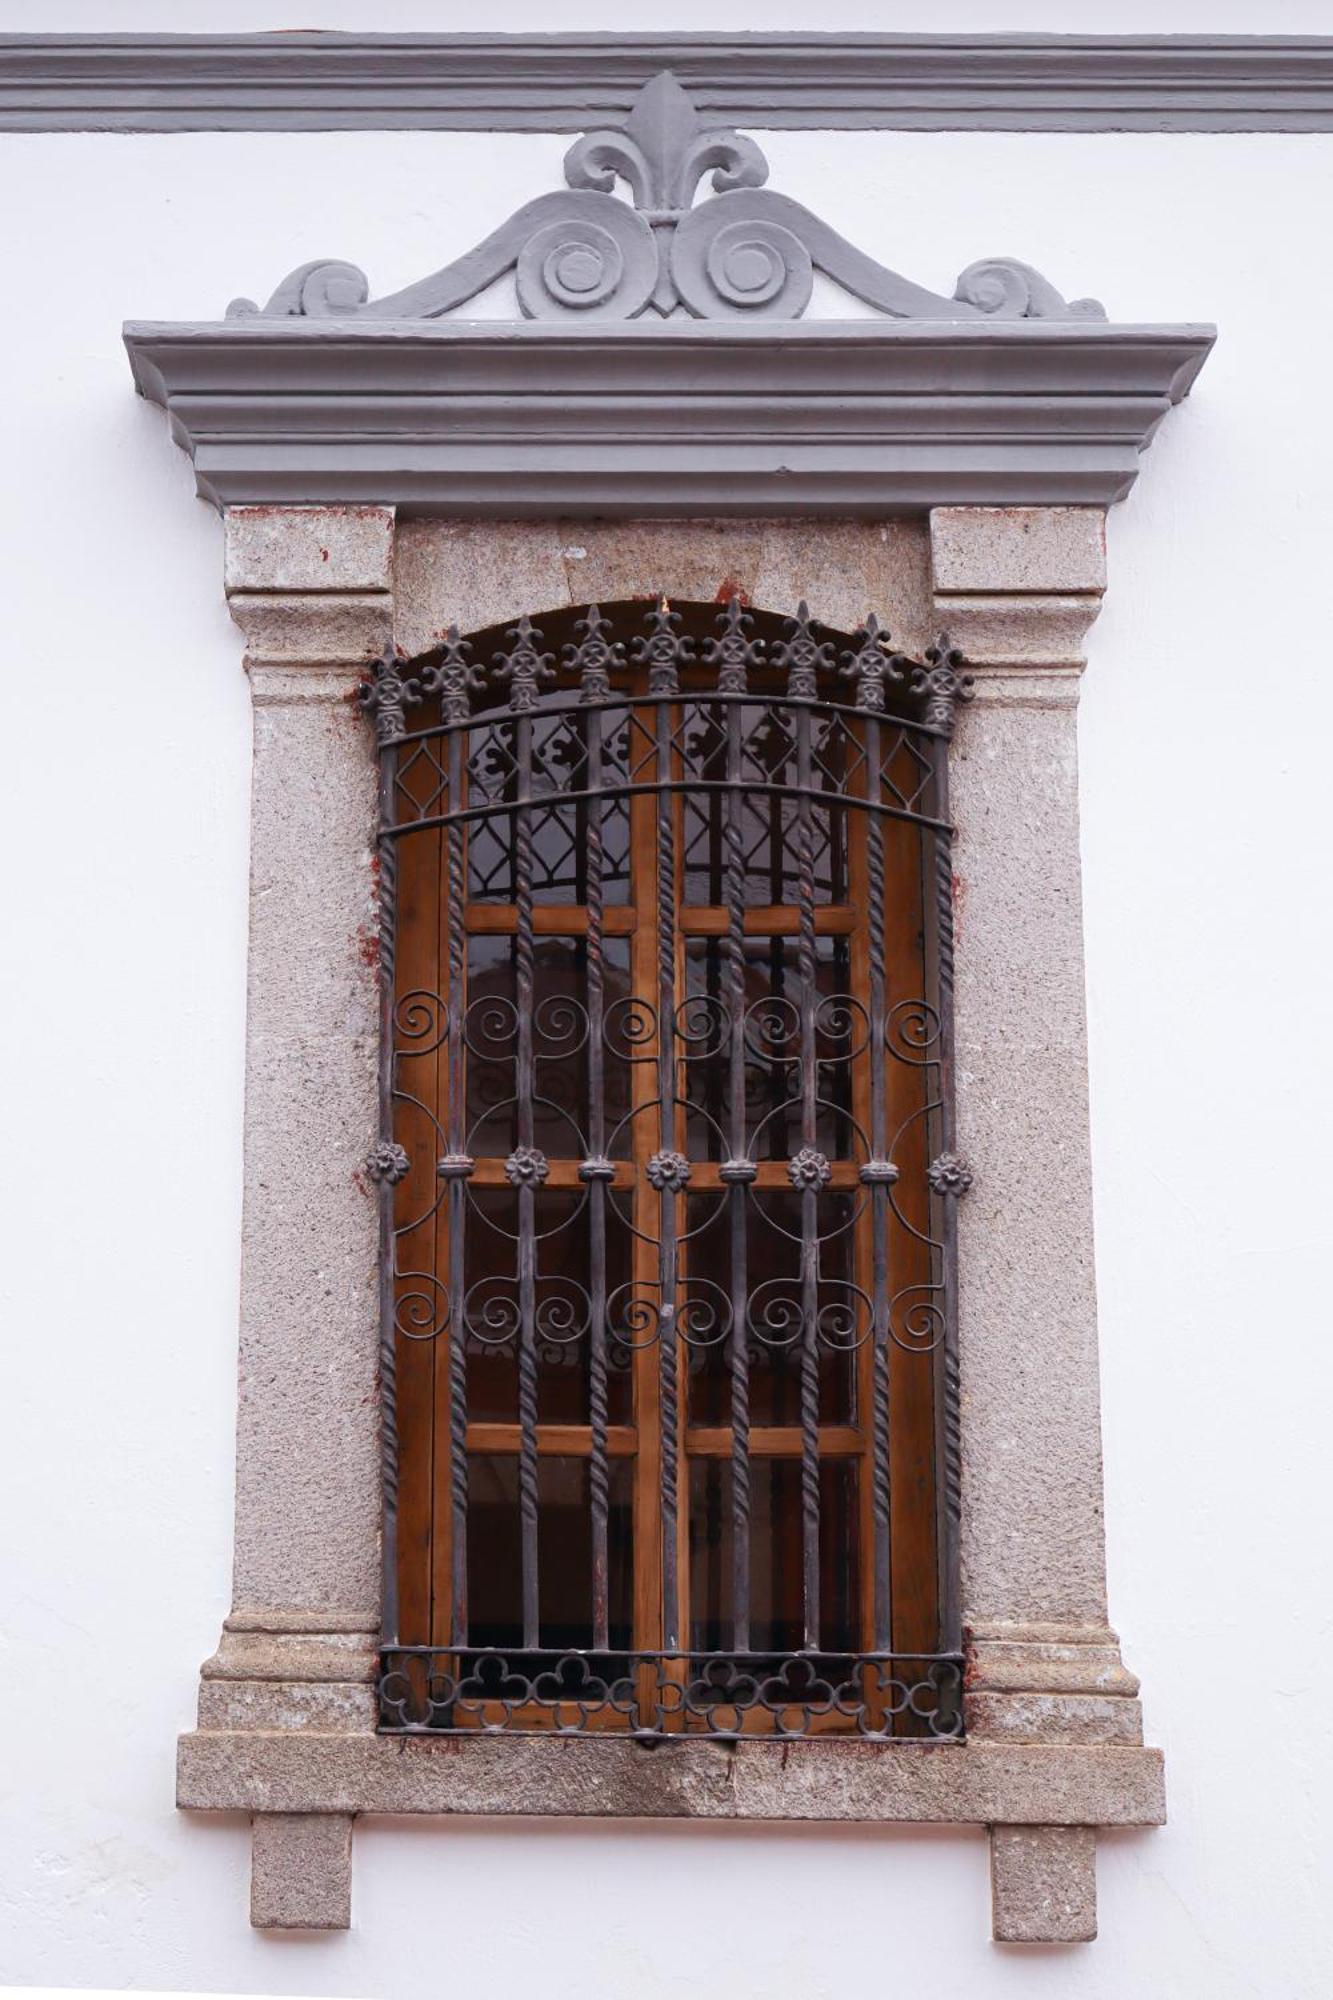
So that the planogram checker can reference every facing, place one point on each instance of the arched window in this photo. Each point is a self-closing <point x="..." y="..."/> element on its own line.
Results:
<point x="669" y="1370"/>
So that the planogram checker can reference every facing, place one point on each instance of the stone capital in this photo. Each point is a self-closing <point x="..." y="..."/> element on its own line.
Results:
<point x="310" y="587"/>
<point x="1017" y="588"/>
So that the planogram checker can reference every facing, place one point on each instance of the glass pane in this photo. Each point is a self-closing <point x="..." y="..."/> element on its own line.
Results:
<point x="564" y="1552"/>
<point x="768" y="821"/>
<point x="776" y="1610"/>
<point x="559" y="825"/>
<point x="773" y="1014"/>
<point x="560" y="1080"/>
<point x="563" y="1295"/>
<point x="773" y="1289"/>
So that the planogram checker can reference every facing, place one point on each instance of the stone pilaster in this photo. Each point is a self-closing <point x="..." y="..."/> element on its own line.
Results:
<point x="1017" y="589"/>
<point x="310" y="589"/>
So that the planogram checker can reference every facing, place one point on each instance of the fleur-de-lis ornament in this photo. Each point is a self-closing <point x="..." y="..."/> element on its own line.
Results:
<point x="525" y="668"/>
<point x="940" y="684"/>
<point x="802" y="657"/>
<point x="735" y="652"/>
<point x="594" y="656"/>
<point x="872" y="665"/>
<point x="387" y="695"/>
<point x="663" y="651"/>
<point x="453" y="677"/>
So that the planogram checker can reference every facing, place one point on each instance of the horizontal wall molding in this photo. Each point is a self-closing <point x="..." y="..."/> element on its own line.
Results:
<point x="812" y="417"/>
<point x="566" y="82"/>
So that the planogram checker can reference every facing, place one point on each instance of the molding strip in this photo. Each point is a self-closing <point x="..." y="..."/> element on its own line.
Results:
<point x="563" y="83"/>
<point x="693" y="418"/>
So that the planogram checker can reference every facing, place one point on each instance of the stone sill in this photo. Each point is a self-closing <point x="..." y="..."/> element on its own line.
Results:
<point x="977" y="1783"/>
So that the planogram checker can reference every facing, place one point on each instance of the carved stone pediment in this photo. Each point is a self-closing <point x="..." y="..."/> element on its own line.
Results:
<point x="661" y="360"/>
<point x="744" y="252"/>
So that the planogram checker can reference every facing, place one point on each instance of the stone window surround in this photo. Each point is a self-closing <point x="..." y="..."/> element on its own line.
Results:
<point x="286" y="1726"/>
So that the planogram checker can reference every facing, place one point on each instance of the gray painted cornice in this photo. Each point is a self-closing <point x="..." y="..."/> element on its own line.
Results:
<point x="662" y="363"/>
<point x="666" y="417"/>
<point x="563" y="82"/>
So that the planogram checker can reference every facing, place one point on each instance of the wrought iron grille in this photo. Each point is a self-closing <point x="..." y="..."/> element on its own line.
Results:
<point x="668" y="1180"/>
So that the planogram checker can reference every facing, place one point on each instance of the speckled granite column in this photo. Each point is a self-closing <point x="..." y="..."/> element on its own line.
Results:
<point x="310" y="589"/>
<point x="1017" y="589"/>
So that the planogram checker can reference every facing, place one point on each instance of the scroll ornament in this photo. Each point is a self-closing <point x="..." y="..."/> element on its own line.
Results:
<point x="744" y="253"/>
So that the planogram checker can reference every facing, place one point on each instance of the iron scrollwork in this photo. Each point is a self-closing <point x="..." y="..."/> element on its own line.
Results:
<point x="662" y="1118"/>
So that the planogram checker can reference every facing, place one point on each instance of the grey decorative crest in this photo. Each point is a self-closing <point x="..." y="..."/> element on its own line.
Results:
<point x="745" y="253"/>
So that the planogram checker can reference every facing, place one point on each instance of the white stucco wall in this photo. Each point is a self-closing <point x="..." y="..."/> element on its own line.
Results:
<point x="1208" y="715"/>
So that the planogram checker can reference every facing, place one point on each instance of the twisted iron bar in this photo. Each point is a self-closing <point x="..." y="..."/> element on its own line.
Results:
<point x="593" y="660"/>
<point x="523" y="669"/>
<point x="454" y="699"/>
<point x="734" y="654"/>
<point x="938" y="687"/>
<point x="662" y="653"/>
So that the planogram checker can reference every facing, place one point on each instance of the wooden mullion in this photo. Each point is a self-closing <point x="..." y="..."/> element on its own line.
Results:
<point x="767" y="920"/>
<point x="775" y="1441"/>
<point x="548" y="920"/>
<point x="501" y="1440"/>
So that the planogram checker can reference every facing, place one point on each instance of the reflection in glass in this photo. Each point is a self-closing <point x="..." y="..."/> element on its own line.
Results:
<point x="773" y="1259"/>
<point x="563" y="1552"/>
<point x="772" y="1045"/>
<point x="560" y="1044"/>
<point x="562" y="1306"/>
<point x="776" y="1613"/>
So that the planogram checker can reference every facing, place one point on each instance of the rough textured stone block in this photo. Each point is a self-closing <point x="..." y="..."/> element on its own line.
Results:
<point x="301" y="1871"/>
<point x="484" y="573"/>
<point x="977" y="1784"/>
<point x="309" y="548"/>
<point x="1023" y="632"/>
<point x="1018" y="548"/>
<point x="1054" y="1718"/>
<point x="1043" y="1884"/>
<point x="312" y="631"/>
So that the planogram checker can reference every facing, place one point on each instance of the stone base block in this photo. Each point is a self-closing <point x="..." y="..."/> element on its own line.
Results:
<point x="301" y="1871"/>
<point x="1043" y="1884"/>
<point x="1053" y="1718"/>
